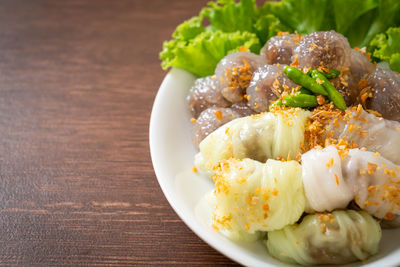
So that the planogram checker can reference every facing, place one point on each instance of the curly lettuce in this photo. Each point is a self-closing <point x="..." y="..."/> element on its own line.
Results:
<point x="201" y="54"/>
<point x="386" y="46"/>
<point x="232" y="24"/>
<point x="358" y="20"/>
<point x="198" y="48"/>
<point x="229" y="16"/>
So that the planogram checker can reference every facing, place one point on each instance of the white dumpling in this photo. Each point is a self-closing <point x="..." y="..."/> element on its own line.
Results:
<point x="251" y="196"/>
<point x="331" y="182"/>
<point x="335" y="238"/>
<point x="259" y="137"/>
<point x="366" y="130"/>
<point x="376" y="183"/>
<point x="324" y="185"/>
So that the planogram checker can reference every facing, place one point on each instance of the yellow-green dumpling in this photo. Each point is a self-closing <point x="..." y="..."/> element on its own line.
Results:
<point x="251" y="196"/>
<point x="328" y="238"/>
<point x="259" y="137"/>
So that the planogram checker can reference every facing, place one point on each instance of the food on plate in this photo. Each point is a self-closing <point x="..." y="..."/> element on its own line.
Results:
<point x="224" y="26"/>
<point x="386" y="46"/>
<point x="324" y="185"/>
<point x="259" y="137"/>
<point x="205" y="93"/>
<point x="375" y="184"/>
<point x="327" y="238"/>
<point x="279" y="49"/>
<point x="211" y="119"/>
<point x="234" y="72"/>
<point x="329" y="49"/>
<point x="296" y="123"/>
<point x="263" y="86"/>
<point x="359" y="127"/>
<point x="367" y="178"/>
<point x="382" y="89"/>
<point x="253" y="196"/>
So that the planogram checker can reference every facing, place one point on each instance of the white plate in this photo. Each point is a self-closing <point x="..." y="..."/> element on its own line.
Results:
<point x="172" y="153"/>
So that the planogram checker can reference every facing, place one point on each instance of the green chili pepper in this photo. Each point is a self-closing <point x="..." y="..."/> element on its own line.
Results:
<point x="276" y="103"/>
<point x="304" y="80"/>
<point x="300" y="101"/>
<point x="333" y="94"/>
<point x="330" y="75"/>
<point x="297" y="101"/>
<point x="304" y="90"/>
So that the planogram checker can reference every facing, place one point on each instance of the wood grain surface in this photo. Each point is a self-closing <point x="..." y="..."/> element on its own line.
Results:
<point x="77" y="186"/>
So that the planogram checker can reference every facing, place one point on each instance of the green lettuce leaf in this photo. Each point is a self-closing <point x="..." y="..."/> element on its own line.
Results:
<point x="198" y="48"/>
<point x="303" y="16"/>
<point x="358" y="20"/>
<point x="268" y="26"/>
<point x="189" y="29"/>
<point x="244" y="16"/>
<point x="387" y="15"/>
<point x="229" y="16"/>
<point x="347" y="12"/>
<point x="387" y="47"/>
<point x="201" y="54"/>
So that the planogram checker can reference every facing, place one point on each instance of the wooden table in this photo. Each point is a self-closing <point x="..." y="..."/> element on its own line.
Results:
<point x="77" y="187"/>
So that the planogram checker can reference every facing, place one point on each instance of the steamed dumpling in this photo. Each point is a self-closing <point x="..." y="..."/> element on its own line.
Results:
<point x="259" y="137"/>
<point x="329" y="48"/>
<point x="234" y="73"/>
<point x="324" y="185"/>
<point x="376" y="183"/>
<point x="334" y="238"/>
<point x="370" y="179"/>
<point x="251" y="196"/>
<point x="366" y="130"/>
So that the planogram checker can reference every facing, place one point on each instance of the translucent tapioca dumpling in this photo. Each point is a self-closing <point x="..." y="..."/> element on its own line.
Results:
<point x="267" y="84"/>
<point x="348" y="83"/>
<point x="279" y="49"/>
<point x="209" y="120"/>
<point x="367" y="130"/>
<point x="332" y="181"/>
<point x="384" y="88"/>
<point x="234" y="72"/>
<point x="360" y="65"/>
<point x="205" y="93"/>
<point x="376" y="183"/>
<point x="242" y="109"/>
<point x="329" y="49"/>
<point x="329" y="238"/>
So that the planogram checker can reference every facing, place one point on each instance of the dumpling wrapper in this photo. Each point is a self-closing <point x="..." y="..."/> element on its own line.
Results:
<point x="366" y="130"/>
<point x="376" y="183"/>
<point x="259" y="137"/>
<point x="367" y="177"/>
<point x="324" y="185"/>
<point x="251" y="196"/>
<point x="337" y="238"/>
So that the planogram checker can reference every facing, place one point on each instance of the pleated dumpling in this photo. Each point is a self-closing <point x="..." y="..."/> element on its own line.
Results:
<point x="367" y="130"/>
<point x="251" y="196"/>
<point x="372" y="181"/>
<point x="333" y="238"/>
<point x="258" y="137"/>
<point x="324" y="184"/>
<point x="376" y="183"/>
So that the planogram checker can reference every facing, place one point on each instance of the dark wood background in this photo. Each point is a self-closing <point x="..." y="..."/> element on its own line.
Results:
<point x="77" y="83"/>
